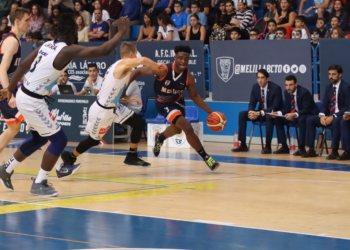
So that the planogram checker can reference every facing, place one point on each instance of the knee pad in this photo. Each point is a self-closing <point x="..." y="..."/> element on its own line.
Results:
<point x="87" y="144"/>
<point x="32" y="144"/>
<point x="58" y="143"/>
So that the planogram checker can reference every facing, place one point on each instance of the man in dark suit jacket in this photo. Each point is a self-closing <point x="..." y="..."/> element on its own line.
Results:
<point x="345" y="135"/>
<point x="269" y="97"/>
<point x="299" y="105"/>
<point x="335" y="103"/>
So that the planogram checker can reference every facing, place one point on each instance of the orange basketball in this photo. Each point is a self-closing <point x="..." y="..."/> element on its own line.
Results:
<point x="216" y="121"/>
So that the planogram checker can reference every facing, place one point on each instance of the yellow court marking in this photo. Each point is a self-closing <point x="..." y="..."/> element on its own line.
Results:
<point x="157" y="188"/>
<point x="52" y="238"/>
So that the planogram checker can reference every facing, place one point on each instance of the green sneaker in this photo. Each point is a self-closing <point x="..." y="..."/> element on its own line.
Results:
<point x="6" y="178"/>
<point x="212" y="164"/>
<point x="157" y="145"/>
<point x="42" y="189"/>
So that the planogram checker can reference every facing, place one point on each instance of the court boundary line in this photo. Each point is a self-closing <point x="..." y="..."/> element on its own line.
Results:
<point x="192" y="221"/>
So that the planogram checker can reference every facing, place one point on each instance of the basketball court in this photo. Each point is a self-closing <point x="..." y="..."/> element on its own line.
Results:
<point x="252" y="201"/>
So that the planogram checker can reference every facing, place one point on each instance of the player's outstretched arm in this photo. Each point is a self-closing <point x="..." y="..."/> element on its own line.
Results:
<point x="194" y="95"/>
<point x="148" y="71"/>
<point x="77" y="51"/>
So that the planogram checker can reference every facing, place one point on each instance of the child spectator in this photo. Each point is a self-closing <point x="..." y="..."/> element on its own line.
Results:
<point x="320" y="24"/>
<point x="180" y="19"/>
<point x="337" y="33"/>
<point x="46" y="31"/>
<point x="271" y="26"/>
<point x="335" y="21"/>
<point x="235" y="33"/>
<point x="29" y="36"/>
<point x="300" y="24"/>
<point x="281" y="33"/>
<point x="296" y="33"/>
<point x="338" y="11"/>
<point x="271" y="7"/>
<point x="254" y="34"/>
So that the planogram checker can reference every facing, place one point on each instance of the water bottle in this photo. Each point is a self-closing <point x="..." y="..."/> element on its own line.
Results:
<point x="292" y="147"/>
<point x="235" y="140"/>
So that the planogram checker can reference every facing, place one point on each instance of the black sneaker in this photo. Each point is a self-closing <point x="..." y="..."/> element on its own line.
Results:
<point x="157" y="145"/>
<point x="212" y="164"/>
<point x="133" y="159"/>
<point x="67" y="158"/>
<point x="5" y="178"/>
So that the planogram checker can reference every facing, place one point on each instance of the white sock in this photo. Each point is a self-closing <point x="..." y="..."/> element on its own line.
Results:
<point x="58" y="167"/>
<point x="11" y="164"/>
<point x="43" y="175"/>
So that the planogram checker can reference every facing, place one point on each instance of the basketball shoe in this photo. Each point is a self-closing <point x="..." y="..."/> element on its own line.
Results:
<point x="6" y="177"/>
<point x="67" y="170"/>
<point x="42" y="189"/>
<point x="133" y="159"/>
<point x="157" y="145"/>
<point x="68" y="158"/>
<point x="211" y="163"/>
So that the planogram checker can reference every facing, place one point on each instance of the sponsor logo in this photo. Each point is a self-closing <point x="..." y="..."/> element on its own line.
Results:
<point x="179" y="139"/>
<point x="102" y="131"/>
<point x="76" y="78"/>
<point x="63" y="119"/>
<point x="167" y="82"/>
<point x="225" y="67"/>
<point x="85" y="115"/>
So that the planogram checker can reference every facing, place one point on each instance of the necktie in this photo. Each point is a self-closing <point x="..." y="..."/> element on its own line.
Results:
<point x="263" y="99"/>
<point x="333" y="100"/>
<point x="292" y="104"/>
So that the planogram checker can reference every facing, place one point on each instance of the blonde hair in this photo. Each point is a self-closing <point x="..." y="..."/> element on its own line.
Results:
<point x="126" y="48"/>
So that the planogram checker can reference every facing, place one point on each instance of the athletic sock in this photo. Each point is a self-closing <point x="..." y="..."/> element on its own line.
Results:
<point x="161" y="138"/>
<point x="204" y="154"/>
<point x="11" y="164"/>
<point x="43" y="175"/>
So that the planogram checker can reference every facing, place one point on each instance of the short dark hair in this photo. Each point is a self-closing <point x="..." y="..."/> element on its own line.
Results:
<point x="179" y="3"/>
<point x="37" y="35"/>
<point x="65" y="28"/>
<point x="291" y="78"/>
<point x="272" y="21"/>
<point x="66" y="71"/>
<point x="316" y="31"/>
<point x="264" y="72"/>
<point x="336" y="67"/>
<point x="196" y="3"/>
<point x="300" y="18"/>
<point x="92" y="65"/>
<point x="236" y="29"/>
<point x="336" y="18"/>
<point x="182" y="48"/>
<point x="254" y="30"/>
<point x="282" y="29"/>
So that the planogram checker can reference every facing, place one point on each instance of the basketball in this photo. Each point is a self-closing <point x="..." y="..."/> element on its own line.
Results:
<point x="216" y="121"/>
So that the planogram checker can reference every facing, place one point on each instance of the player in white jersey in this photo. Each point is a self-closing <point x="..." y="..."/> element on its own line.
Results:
<point x="45" y="66"/>
<point x="105" y="110"/>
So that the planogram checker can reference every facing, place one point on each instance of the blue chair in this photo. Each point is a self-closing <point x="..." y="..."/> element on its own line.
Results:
<point x="260" y="124"/>
<point x="134" y="31"/>
<point x="192" y="114"/>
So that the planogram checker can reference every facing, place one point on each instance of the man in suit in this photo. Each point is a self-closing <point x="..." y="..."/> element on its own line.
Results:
<point x="335" y="103"/>
<point x="298" y="107"/>
<point x="345" y="134"/>
<point x="269" y="97"/>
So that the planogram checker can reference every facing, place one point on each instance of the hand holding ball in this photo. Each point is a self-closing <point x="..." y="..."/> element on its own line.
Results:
<point x="216" y="121"/>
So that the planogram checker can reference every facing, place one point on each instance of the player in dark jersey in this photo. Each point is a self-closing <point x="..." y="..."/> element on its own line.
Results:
<point x="10" y="56"/>
<point x="168" y="86"/>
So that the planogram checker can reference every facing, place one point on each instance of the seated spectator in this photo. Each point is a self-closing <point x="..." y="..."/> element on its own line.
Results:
<point x="221" y="13"/>
<point x="99" y="30"/>
<point x="296" y="33"/>
<point x="285" y="16"/>
<point x="37" y="37"/>
<point x="80" y="11"/>
<point x="300" y="24"/>
<point x="230" y="17"/>
<point x="166" y="6"/>
<point x="254" y="34"/>
<point x="5" y="7"/>
<point x="4" y="24"/>
<point x="272" y="26"/>
<point x="29" y="37"/>
<point x="167" y="30"/>
<point x="271" y="7"/>
<point x="55" y="11"/>
<point x="14" y="7"/>
<point x="249" y="3"/>
<point x="337" y="33"/>
<point x="27" y="4"/>
<point x="320" y="24"/>
<point x="63" y="80"/>
<point x="204" y="6"/>
<point x="131" y="9"/>
<point x="93" y="80"/>
<point x="180" y="19"/>
<point x="322" y="8"/>
<point x="114" y="8"/>
<point x="335" y="21"/>
<point x="82" y="29"/>
<point x="105" y="15"/>
<point x="148" y="31"/>
<point x="65" y="6"/>
<point x="196" y="31"/>
<point x="281" y="33"/>
<point x="3" y="34"/>
<point x="235" y="33"/>
<point x="245" y="16"/>
<point x="46" y="31"/>
<point x="37" y="19"/>
<point x="195" y="8"/>
<point x="268" y="96"/>
<point x="338" y="11"/>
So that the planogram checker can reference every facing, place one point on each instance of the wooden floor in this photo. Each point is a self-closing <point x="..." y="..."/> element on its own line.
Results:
<point x="274" y="192"/>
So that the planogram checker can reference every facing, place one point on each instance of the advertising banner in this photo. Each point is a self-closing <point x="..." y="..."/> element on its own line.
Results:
<point x="333" y="51"/>
<point x="234" y="65"/>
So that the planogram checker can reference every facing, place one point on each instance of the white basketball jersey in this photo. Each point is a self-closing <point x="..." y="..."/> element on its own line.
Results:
<point x="42" y="75"/>
<point x="112" y="88"/>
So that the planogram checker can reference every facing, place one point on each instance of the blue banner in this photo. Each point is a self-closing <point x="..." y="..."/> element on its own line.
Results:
<point x="163" y="52"/>
<point x="333" y="51"/>
<point x="234" y="65"/>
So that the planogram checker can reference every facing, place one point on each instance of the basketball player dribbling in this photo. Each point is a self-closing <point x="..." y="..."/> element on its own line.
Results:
<point x="169" y="85"/>
<point x="46" y="65"/>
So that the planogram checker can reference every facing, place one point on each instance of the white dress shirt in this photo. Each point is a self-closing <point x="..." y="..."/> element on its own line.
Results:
<point x="337" y="86"/>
